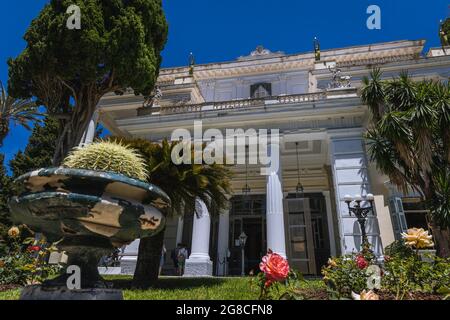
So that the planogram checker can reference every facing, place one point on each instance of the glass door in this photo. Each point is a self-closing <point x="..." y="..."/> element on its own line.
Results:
<point x="247" y="214"/>
<point x="254" y="248"/>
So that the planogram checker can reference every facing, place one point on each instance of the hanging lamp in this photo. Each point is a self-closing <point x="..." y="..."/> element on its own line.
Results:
<point x="299" y="189"/>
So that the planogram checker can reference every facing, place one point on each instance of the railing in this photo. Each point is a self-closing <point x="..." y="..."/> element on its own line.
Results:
<point x="301" y="98"/>
<point x="186" y="108"/>
<point x="235" y="104"/>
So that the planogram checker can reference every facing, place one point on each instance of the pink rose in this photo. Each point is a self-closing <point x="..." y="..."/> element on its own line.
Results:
<point x="275" y="267"/>
<point x="361" y="262"/>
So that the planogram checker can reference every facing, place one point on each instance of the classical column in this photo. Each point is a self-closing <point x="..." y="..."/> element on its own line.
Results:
<point x="199" y="263"/>
<point x="274" y="197"/>
<point x="327" y="196"/>
<point x="89" y="134"/>
<point x="222" y="245"/>
<point x="180" y="230"/>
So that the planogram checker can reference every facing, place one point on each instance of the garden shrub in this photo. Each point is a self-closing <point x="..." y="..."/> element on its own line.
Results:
<point x="24" y="261"/>
<point x="398" y="248"/>
<point x="346" y="274"/>
<point x="404" y="275"/>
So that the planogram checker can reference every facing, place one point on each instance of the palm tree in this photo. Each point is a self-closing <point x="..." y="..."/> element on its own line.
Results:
<point x="184" y="184"/>
<point x="409" y="140"/>
<point x="20" y="111"/>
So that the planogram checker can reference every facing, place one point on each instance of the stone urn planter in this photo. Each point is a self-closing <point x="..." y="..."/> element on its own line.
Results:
<point x="88" y="213"/>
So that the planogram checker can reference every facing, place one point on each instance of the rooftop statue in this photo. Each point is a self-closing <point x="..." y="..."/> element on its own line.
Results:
<point x="154" y="98"/>
<point x="260" y="51"/>
<point x="316" y="49"/>
<point x="339" y="80"/>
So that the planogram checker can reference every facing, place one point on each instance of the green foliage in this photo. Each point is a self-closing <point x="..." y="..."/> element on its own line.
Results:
<point x="342" y="275"/>
<point x="19" y="111"/>
<point x="10" y="294"/>
<point x="399" y="276"/>
<point x="399" y="249"/>
<point x="284" y="290"/>
<point x="108" y="156"/>
<point x="24" y="262"/>
<point x="445" y="291"/>
<point x="305" y="290"/>
<point x="409" y="139"/>
<point x="39" y="151"/>
<point x="5" y="193"/>
<point x="68" y="71"/>
<point x="185" y="182"/>
<point x="121" y="38"/>
<point x="437" y="275"/>
<point x="440" y="202"/>
<point x="196" y="289"/>
<point x="37" y="154"/>
<point x="444" y="32"/>
<point x="403" y="275"/>
<point x="184" y="288"/>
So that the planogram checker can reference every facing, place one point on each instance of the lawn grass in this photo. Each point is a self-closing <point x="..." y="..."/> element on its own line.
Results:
<point x="10" y="294"/>
<point x="196" y="289"/>
<point x="172" y="288"/>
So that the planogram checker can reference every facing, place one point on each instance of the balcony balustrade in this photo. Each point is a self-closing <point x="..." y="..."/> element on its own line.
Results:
<point x="245" y="103"/>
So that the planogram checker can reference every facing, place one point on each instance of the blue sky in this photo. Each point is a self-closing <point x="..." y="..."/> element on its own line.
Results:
<point x="217" y="30"/>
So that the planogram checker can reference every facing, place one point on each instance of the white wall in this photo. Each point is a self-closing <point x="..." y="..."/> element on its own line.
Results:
<point x="239" y="88"/>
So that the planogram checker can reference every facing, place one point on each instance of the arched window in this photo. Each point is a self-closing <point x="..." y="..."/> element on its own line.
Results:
<point x="261" y="90"/>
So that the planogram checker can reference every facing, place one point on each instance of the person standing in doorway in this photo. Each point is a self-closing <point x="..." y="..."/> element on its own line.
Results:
<point x="174" y="257"/>
<point x="182" y="256"/>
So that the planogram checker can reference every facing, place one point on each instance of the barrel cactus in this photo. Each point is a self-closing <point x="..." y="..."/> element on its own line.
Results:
<point x="108" y="156"/>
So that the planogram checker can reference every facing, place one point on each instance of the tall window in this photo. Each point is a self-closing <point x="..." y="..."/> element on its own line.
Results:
<point x="261" y="90"/>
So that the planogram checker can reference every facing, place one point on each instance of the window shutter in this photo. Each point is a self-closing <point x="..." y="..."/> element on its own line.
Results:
<point x="398" y="216"/>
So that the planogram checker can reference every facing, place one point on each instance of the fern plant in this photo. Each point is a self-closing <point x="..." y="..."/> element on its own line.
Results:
<point x="108" y="156"/>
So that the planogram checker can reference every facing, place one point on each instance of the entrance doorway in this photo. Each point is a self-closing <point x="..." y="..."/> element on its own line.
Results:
<point x="254" y="248"/>
<point x="247" y="215"/>
<point x="306" y="227"/>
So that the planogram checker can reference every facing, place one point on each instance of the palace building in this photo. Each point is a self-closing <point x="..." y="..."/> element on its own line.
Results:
<point x="298" y="210"/>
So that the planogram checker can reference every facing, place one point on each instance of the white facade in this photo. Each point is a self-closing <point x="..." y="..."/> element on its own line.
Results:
<point x="325" y="122"/>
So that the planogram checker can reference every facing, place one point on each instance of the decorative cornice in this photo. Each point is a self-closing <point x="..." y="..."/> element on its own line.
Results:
<point x="270" y="63"/>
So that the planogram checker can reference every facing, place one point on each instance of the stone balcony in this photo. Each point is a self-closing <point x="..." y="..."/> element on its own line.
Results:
<point x="248" y="103"/>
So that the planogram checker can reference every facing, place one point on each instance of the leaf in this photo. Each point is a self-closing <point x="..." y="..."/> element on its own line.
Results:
<point x="444" y="291"/>
<point x="28" y="240"/>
